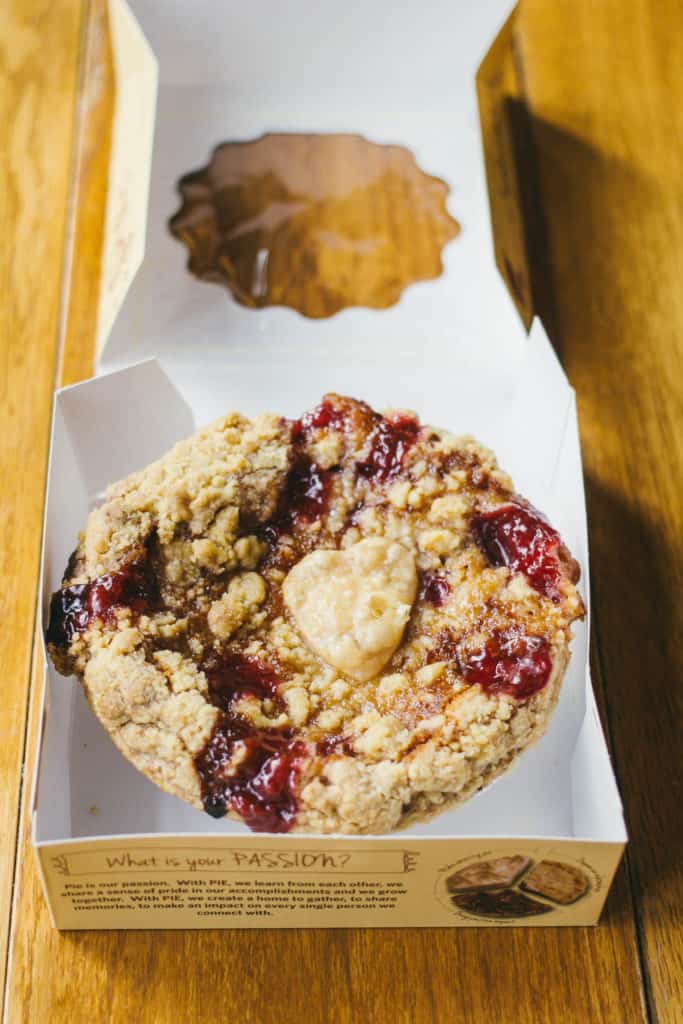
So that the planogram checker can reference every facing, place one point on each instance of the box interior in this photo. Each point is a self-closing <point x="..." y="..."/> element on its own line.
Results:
<point x="453" y="349"/>
<point x="562" y="787"/>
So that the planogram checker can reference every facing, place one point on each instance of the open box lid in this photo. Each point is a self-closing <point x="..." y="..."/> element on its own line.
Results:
<point x="235" y="74"/>
<point x="477" y="371"/>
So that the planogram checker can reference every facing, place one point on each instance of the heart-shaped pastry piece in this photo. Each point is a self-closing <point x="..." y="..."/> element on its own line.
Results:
<point x="352" y="606"/>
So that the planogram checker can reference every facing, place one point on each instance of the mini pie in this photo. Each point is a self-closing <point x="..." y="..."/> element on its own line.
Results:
<point x="341" y="623"/>
<point x="488" y="874"/>
<point x="498" y="888"/>
<point x="504" y="903"/>
<point x="561" y="883"/>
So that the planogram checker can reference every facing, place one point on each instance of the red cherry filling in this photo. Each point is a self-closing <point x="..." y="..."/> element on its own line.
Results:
<point x="233" y="675"/>
<point x="304" y="498"/>
<point x="307" y="491"/>
<point x="390" y="441"/>
<point x="509" y="663"/>
<point x="266" y="797"/>
<point x="327" y="414"/>
<point x="520" y="538"/>
<point x="435" y="588"/>
<point x="73" y="608"/>
<point x="262" y="787"/>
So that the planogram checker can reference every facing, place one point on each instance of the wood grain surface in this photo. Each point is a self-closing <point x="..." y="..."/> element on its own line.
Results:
<point x="36" y="133"/>
<point x="602" y="83"/>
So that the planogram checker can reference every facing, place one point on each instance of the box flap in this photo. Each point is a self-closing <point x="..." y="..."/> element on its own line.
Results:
<point x="231" y="75"/>
<point x="136" y="72"/>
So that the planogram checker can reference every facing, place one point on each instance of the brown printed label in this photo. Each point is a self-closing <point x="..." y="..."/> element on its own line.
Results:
<point x="248" y="882"/>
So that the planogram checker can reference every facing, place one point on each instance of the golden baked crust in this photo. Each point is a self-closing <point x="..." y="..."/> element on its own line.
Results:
<point x="337" y="624"/>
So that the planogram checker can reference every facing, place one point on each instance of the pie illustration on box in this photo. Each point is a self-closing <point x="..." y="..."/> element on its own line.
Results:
<point x="316" y="222"/>
<point x="503" y="903"/>
<point x="500" y="888"/>
<point x="488" y="874"/>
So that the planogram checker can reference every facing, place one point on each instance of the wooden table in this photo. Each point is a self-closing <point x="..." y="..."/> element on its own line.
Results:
<point x="603" y="92"/>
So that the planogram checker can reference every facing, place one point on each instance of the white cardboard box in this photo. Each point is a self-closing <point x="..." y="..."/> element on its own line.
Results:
<point x="114" y="850"/>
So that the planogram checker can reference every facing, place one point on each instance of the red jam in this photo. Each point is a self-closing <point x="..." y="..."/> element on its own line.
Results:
<point x="445" y="649"/>
<point x="262" y="788"/>
<point x="509" y="663"/>
<point x="334" y="745"/>
<point x="306" y="494"/>
<point x="307" y="490"/>
<point x="233" y="675"/>
<point x="518" y="537"/>
<point x="304" y="498"/>
<point x="72" y="609"/>
<point x="390" y="441"/>
<point x="435" y="588"/>
<point x="326" y="415"/>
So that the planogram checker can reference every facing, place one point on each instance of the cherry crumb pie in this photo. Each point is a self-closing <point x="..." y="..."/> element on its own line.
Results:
<point x="342" y="623"/>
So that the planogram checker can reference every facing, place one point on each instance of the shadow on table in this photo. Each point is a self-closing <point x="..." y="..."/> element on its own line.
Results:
<point x="636" y="616"/>
<point x="588" y="219"/>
